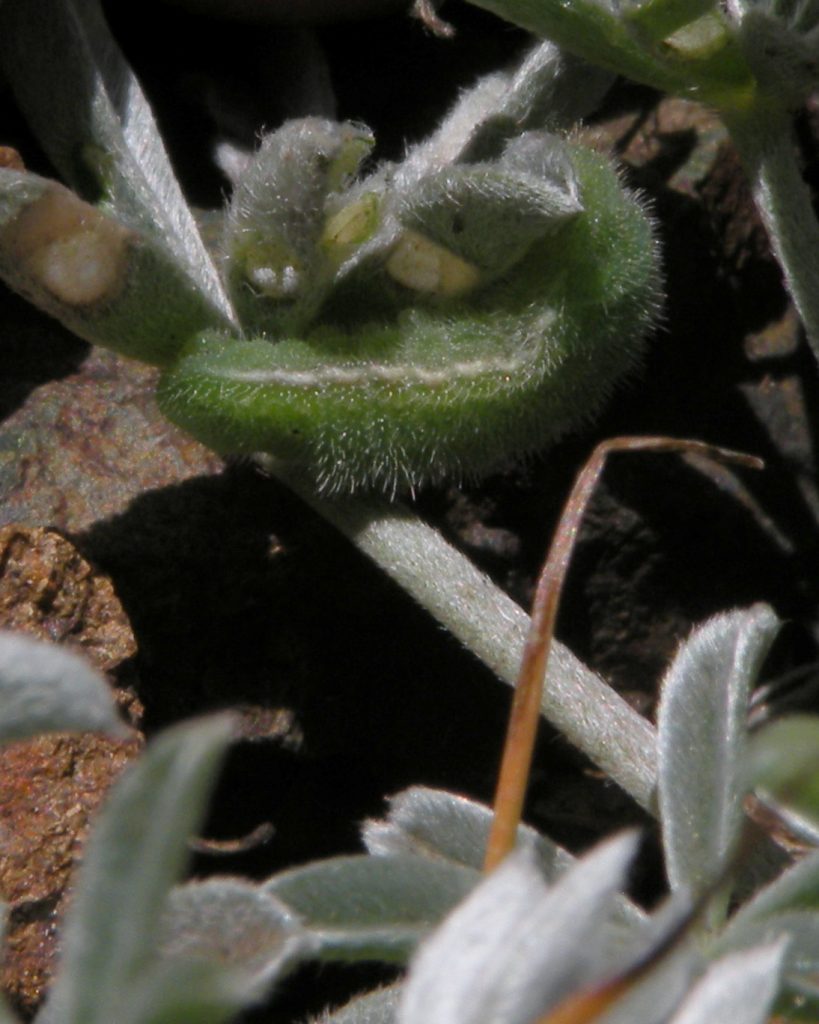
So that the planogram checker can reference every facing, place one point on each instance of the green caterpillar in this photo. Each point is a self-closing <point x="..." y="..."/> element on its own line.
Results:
<point x="494" y="312"/>
<point x="422" y="322"/>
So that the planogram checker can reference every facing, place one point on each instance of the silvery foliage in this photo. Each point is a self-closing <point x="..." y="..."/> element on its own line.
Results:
<point x="502" y="948"/>
<point x="517" y="946"/>
<point x="485" y="964"/>
<point x="780" y="39"/>
<point x="137" y="950"/>
<point x="46" y="689"/>
<point x="722" y="53"/>
<point x="110" y="968"/>
<point x="702" y="741"/>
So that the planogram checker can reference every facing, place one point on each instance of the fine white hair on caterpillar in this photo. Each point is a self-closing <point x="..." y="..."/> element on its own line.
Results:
<point x="478" y="313"/>
<point x="376" y="327"/>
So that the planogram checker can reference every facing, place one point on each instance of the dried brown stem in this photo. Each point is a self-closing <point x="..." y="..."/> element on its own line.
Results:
<point x="523" y="720"/>
<point x="427" y="13"/>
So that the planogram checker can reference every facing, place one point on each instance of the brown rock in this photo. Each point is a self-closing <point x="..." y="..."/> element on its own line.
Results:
<point x="50" y="787"/>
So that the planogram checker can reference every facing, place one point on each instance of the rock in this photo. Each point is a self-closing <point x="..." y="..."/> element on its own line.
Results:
<point x="51" y="786"/>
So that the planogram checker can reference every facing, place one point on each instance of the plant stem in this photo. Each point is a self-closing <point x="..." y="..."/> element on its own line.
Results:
<point x="766" y="145"/>
<point x="588" y="712"/>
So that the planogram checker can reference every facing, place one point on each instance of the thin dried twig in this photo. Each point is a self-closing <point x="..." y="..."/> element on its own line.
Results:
<point x="425" y="11"/>
<point x="228" y="847"/>
<point x="523" y="720"/>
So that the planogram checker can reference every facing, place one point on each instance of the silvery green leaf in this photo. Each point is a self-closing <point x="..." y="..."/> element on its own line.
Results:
<point x="111" y="284"/>
<point x="591" y="28"/>
<point x="185" y="992"/>
<point x="363" y="907"/>
<point x="799" y="927"/>
<point x="782" y="58"/>
<point x="91" y="116"/>
<point x="44" y="688"/>
<point x="378" y="1007"/>
<point x="740" y="988"/>
<point x="434" y="823"/>
<point x="440" y="825"/>
<point x="515" y="947"/>
<point x="136" y="851"/>
<point x="794" y="889"/>
<point x="702" y="738"/>
<point x="662" y="980"/>
<point x="652" y="998"/>
<point x="789" y="906"/>
<point x="702" y="57"/>
<point x="490" y="214"/>
<point x="550" y="90"/>
<point x="545" y="157"/>
<point x="784" y="763"/>
<point x="228" y="922"/>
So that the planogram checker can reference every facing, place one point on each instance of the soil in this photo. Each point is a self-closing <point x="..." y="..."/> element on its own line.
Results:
<point x="198" y="585"/>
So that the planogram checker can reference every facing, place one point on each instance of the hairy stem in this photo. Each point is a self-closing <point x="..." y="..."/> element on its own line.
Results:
<point x="589" y="713"/>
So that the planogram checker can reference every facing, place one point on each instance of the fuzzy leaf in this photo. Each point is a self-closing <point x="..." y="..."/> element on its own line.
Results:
<point x="440" y="825"/>
<point x="92" y="118"/>
<point x="378" y="1007"/>
<point x="434" y="823"/>
<point x="550" y="90"/>
<point x="739" y="988"/>
<point x="654" y="994"/>
<point x="782" y="56"/>
<point x="229" y="922"/>
<point x="44" y="688"/>
<point x="784" y="763"/>
<point x="702" y="738"/>
<point x="186" y="992"/>
<point x="651" y="999"/>
<point x="596" y="30"/>
<point x="516" y="947"/>
<point x="799" y="927"/>
<point x="372" y="907"/>
<point x="136" y="851"/>
<point x="108" y="283"/>
<point x="489" y="215"/>
<point x="789" y="906"/>
<point x="795" y="889"/>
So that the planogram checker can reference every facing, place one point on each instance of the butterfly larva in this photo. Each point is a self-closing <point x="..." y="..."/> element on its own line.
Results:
<point x="433" y="363"/>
